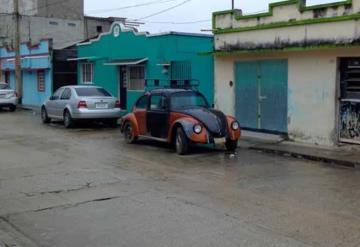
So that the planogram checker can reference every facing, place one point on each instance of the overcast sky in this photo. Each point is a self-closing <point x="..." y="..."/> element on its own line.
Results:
<point x="198" y="11"/>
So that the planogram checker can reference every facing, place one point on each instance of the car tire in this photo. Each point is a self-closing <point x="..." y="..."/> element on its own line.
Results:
<point x="181" y="142"/>
<point x="12" y="108"/>
<point x="231" y="145"/>
<point x="68" y="120"/>
<point x="129" y="134"/>
<point x="44" y="116"/>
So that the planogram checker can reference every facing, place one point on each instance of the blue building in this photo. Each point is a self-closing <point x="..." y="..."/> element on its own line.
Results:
<point x="36" y="71"/>
<point x="43" y="70"/>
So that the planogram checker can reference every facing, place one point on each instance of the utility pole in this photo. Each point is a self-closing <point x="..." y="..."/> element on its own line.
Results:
<point x="18" y="76"/>
<point x="232" y="4"/>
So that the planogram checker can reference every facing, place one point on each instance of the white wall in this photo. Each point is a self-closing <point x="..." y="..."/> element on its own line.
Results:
<point x="312" y="91"/>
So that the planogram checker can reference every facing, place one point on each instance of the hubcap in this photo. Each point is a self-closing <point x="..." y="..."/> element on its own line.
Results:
<point x="43" y="114"/>
<point x="178" y="142"/>
<point x="66" y="119"/>
<point x="128" y="132"/>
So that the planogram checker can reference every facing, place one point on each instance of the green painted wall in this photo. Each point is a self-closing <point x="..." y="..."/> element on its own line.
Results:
<point x="158" y="49"/>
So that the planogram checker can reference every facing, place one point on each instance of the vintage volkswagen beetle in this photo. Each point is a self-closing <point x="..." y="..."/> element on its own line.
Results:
<point x="181" y="117"/>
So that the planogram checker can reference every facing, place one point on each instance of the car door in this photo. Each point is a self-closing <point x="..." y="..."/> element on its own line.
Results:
<point x="157" y="116"/>
<point x="140" y="113"/>
<point x="51" y="104"/>
<point x="64" y="100"/>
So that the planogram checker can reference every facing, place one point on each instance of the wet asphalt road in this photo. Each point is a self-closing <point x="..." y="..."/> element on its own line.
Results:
<point x="86" y="187"/>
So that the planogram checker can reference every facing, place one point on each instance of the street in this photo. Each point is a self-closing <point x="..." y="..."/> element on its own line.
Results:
<point x="86" y="187"/>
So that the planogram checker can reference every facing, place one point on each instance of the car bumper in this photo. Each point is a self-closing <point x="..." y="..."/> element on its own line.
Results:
<point x="8" y="102"/>
<point x="97" y="114"/>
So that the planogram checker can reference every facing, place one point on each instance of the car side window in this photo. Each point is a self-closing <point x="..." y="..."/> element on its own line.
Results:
<point x="57" y="94"/>
<point x="158" y="103"/>
<point x="142" y="103"/>
<point x="66" y="95"/>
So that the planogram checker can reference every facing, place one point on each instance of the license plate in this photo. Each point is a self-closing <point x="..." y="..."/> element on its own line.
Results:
<point x="219" y="140"/>
<point x="101" y="105"/>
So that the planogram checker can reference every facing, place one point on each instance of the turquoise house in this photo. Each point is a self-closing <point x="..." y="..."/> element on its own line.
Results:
<point x="36" y="71"/>
<point x="127" y="62"/>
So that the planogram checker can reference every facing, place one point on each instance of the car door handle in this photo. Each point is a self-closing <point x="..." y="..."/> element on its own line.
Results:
<point x="263" y="97"/>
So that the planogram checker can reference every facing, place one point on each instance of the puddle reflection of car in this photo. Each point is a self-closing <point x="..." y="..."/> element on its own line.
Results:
<point x="8" y="97"/>
<point x="74" y="103"/>
<point x="180" y="117"/>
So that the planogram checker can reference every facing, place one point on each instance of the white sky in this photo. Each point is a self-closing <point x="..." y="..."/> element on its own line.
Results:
<point x="193" y="10"/>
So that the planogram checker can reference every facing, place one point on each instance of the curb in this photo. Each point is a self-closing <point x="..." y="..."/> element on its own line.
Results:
<point x="351" y="164"/>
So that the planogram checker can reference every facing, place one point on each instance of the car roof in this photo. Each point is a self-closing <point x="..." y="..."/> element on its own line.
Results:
<point x="170" y="91"/>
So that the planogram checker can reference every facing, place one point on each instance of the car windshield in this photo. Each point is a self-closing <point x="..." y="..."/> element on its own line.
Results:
<point x="92" y="92"/>
<point x="4" y="86"/>
<point x="186" y="100"/>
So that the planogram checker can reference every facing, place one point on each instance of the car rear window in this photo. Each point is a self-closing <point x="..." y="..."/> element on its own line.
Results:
<point x="90" y="92"/>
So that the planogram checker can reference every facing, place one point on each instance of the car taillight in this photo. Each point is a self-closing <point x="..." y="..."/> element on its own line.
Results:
<point x="117" y="104"/>
<point x="15" y="94"/>
<point x="82" y="104"/>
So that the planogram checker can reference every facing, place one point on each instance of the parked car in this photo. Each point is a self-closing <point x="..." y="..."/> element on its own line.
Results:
<point x="74" y="103"/>
<point x="181" y="117"/>
<point x="8" y="97"/>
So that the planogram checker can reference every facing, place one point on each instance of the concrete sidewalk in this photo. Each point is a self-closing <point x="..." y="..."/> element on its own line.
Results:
<point x="346" y="155"/>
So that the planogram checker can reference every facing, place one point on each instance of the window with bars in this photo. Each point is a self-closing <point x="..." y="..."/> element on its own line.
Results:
<point x="41" y="81"/>
<point x="87" y="73"/>
<point x="137" y="78"/>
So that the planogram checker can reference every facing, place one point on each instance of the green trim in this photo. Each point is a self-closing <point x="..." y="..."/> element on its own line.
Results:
<point x="286" y="49"/>
<point x="289" y="24"/>
<point x="301" y="6"/>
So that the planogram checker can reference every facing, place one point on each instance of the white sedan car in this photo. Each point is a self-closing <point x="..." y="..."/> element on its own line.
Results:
<point x="8" y="97"/>
<point x="74" y="103"/>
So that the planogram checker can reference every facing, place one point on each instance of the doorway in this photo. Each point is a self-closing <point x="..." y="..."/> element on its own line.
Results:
<point x="262" y="95"/>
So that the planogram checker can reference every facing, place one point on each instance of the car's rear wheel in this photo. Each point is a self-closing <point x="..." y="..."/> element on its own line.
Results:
<point x="12" y="108"/>
<point x="181" y="142"/>
<point x="44" y="116"/>
<point x="129" y="134"/>
<point x="68" y="120"/>
<point x="231" y="145"/>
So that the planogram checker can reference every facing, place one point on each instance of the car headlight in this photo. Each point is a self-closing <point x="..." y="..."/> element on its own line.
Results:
<point x="197" y="128"/>
<point x="235" y="125"/>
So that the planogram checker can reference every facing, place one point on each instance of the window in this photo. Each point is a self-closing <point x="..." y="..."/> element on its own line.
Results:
<point x="41" y="81"/>
<point x="70" y="24"/>
<point x="99" y="29"/>
<point x="87" y="72"/>
<point x="186" y="100"/>
<point x="142" y="102"/>
<point x="57" y="94"/>
<point x="66" y="95"/>
<point x="137" y="78"/>
<point x="158" y="102"/>
<point x="54" y="23"/>
<point x="92" y="91"/>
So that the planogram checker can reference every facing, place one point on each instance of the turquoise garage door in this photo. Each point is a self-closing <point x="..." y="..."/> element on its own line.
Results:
<point x="261" y="95"/>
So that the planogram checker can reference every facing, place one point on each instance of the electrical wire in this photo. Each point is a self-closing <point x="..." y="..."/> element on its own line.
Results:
<point x="130" y="6"/>
<point x="164" y="10"/>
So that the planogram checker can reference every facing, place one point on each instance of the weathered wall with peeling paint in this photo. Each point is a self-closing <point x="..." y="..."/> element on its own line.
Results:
<point x="288" y="25"/>
<point x="312" y="93"/>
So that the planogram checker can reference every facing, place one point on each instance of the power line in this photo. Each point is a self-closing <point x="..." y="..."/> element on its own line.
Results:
<point x="130" y="6"/>
<point x="177" y="23"/>
<point x="164" y="10"/>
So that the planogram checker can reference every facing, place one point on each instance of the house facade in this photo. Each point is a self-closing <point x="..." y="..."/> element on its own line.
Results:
<point x="126" y="62"/>
<point x="36" y="71"/>
<point x="43" y="70"/>
<point x="294" y="70"/>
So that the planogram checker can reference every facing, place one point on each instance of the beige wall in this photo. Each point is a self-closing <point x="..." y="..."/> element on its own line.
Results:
<point x="312" y="91"/>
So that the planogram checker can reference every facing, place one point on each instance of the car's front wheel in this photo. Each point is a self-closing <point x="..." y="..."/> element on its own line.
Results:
<point x="68" y="120"/>
<point x="44" y="116"/>
<point x="12" y="108"/>
<point x="181" y="142"/>
<point x="231" y="145"/>
<point x="129" y="134"/>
